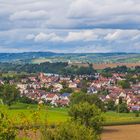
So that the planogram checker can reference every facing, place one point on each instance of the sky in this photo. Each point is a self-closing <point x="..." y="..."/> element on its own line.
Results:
<point x="70" y="26"/>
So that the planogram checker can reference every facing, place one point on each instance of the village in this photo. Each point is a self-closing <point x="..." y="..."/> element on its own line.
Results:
<point x="56" y="90"/>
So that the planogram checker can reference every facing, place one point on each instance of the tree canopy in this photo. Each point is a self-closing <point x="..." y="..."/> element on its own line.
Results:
<point x="9" y="93"/>
<point x="88" y="115"/>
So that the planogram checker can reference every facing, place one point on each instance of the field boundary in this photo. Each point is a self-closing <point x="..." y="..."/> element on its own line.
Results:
<point x="121" y="123"/>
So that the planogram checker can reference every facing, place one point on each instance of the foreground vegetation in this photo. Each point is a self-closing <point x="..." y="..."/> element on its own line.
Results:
<point x="84" y="120"/>
<point x="50" y="123"/>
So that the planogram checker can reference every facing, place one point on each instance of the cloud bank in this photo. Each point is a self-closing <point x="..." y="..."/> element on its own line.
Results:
<point x="70" y="25"/>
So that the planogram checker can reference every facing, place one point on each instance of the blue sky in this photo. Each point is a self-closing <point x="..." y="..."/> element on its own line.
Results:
<point x="76" y="26"/>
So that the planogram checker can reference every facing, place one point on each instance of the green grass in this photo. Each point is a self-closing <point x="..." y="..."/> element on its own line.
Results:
<point x="51" y="115"/>
<point x="57" y="115"/>
<point x="114" y="118"/>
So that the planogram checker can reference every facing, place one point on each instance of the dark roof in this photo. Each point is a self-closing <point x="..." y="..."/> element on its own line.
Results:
<point x="65" y="94"/>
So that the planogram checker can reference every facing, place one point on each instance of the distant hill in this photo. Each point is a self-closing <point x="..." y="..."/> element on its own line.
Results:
<point x="13" y="57"/>
<point x="39" y="57"/>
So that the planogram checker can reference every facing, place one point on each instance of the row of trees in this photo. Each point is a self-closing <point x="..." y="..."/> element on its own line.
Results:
<point x="57" y="68"/>
<point x="122" y="69"/>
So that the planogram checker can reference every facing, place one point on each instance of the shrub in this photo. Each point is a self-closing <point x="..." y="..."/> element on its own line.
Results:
<point x="7" y="130"/>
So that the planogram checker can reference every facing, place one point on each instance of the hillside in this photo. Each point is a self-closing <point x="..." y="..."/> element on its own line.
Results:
<point x="39" y="57"/>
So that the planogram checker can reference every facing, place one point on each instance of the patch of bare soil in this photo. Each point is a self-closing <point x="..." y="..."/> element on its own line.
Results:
<point x="124" y="132"/>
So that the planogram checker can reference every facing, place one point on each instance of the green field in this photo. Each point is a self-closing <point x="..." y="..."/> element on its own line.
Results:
<point x="57" y="115"/>
<point x="120" y="118"/>
<point x="46" y="114"/>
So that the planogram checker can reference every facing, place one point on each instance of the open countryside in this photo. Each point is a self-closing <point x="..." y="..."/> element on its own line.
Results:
<point x="69" y="69"/>
<point x="79" y="98"/>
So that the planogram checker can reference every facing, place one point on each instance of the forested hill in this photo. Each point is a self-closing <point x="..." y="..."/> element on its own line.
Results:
<point x="37" y="57"/>
<point x="56" y="68"/>
<point x="6" y="57"/>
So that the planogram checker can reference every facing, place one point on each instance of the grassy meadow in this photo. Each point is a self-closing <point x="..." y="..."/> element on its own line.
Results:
<point x="56" y="115"/>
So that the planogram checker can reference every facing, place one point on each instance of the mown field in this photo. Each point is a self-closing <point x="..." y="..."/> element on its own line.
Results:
<point x="126" y="132"/>
<point x="57" y="115"/>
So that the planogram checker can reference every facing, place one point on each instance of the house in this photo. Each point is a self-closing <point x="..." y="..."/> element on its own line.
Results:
<point x="123" y="95"/>
<point x="1" y="82"/>
<point x="134" y="108"/>
<point x="72" y="85"/>
<point x="51" y="97"/>
<point x="92" y="90"/>
<point x="65" y="96"/>
<point x="33" y="79"/>
<point x="62" y="102"/>
<point x="57" y="87"/>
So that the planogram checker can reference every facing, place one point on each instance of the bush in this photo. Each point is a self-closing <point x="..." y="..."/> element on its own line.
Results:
<point x="7" y="130"/>
<point x="69" y="131"/>
<point x="87" y="115"/>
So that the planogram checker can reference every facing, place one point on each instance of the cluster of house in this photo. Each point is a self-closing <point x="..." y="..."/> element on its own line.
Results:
<point x="114" y="92"/>
<point x="48" y="88"/>
<point x="45" y="89"/>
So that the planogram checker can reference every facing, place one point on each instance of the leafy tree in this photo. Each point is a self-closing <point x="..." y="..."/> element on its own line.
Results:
<point x="66" y="90"/>
<point x="88" y="115"/>
<point x="9" y="93"/>
<point x="137" y="69"/>
<point x="110" y="105"/>
<point x="130" y="78"/>
<point x="106" y="74"/>
<point x="69" y="131"/>
<point x="83" y="85"/>
<point x="118" y="69"/>
<point x="124" y="84"/>
<point x="78" y="97"/>
<point x="27" y="100"/>
<point x="103" y="92"/>
<point x="122" y="108"/>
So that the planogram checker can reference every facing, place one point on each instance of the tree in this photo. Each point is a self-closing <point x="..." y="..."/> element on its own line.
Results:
<point x="78" y="97"/>
<point x="106" y="74"/>
<point x="9" y="93"/>
<point x="66" y="90"/>
<point x="69" y="131"/>
<point x="83" y="85"/>
<point x="124" y="84"/>
<point x="110" y="105"/>
<point x="27" y="100"/>
<point x="88" y="115"/>
<point x="122" y="108"/>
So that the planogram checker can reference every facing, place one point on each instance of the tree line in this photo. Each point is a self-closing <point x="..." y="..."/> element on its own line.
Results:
<point x="61" y="68"/>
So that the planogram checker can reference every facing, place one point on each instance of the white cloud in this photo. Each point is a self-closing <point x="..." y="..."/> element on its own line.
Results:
<point x="81" y="36"/>
<point x="41" y="37"/>
<point x="29" y="15"/>
<point x="113" y="36"/>
<point x="99" y="35"/>
<point x="122" y="35"/>
<point x="30" y="36"/>
<point x="86" y="35"/>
